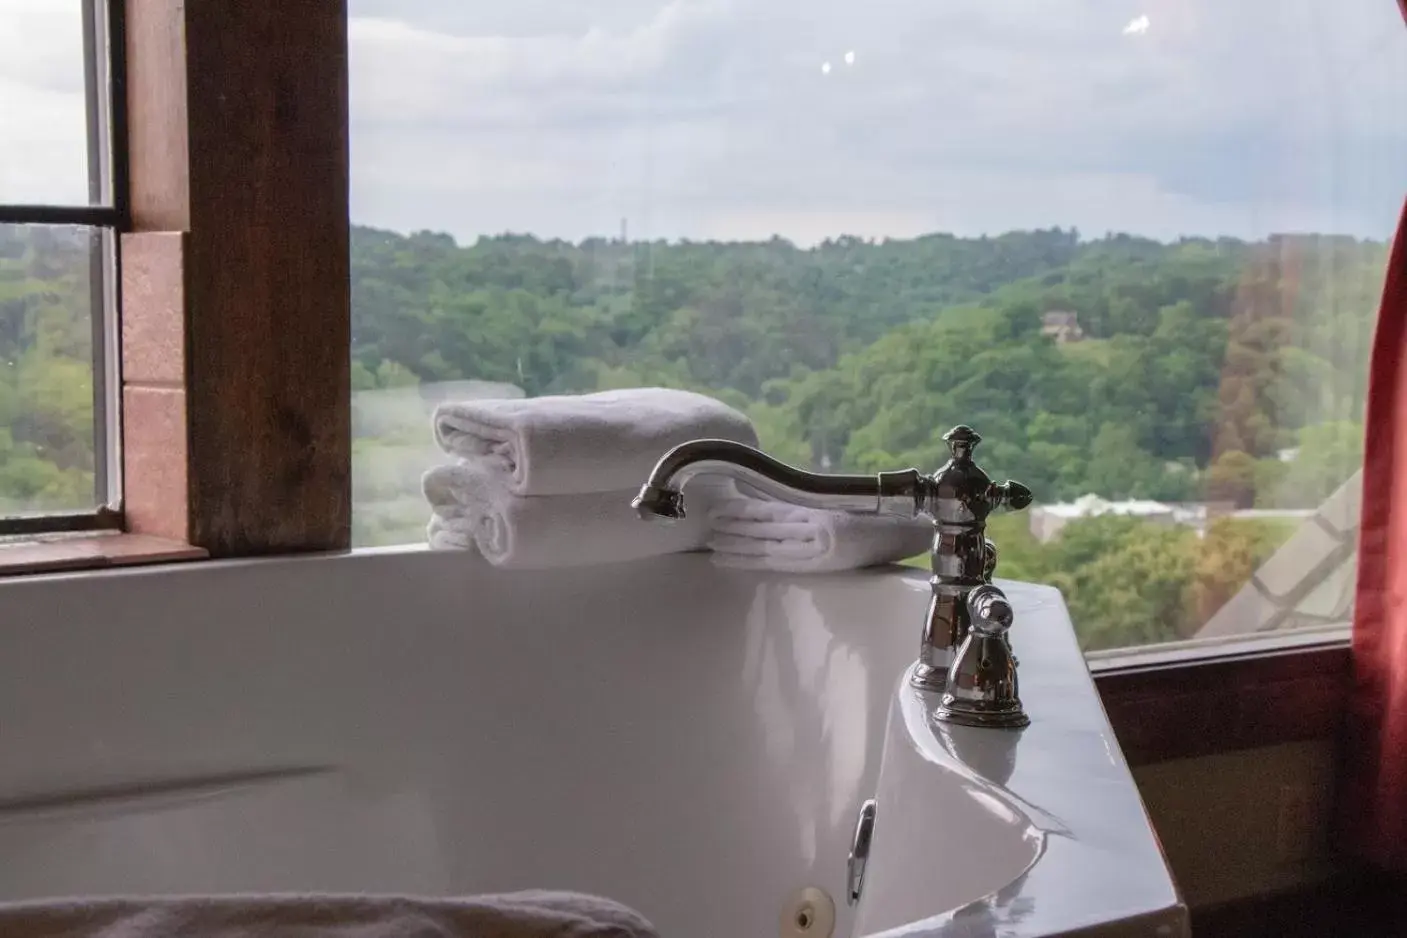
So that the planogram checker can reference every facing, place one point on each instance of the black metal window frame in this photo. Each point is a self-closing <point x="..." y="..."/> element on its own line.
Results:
<point x="108" y="213"/>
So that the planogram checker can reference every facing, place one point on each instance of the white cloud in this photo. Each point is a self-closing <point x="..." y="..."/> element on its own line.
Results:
<point x="41" y="44"/>
<point x="697" y="119"/>
<point x="43" y="142"/>
<point x="705" y="117"/>
<point x="405" y="73"/>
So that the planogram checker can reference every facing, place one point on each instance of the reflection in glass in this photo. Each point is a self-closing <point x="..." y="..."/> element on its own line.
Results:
<point x="1139" y="249"/>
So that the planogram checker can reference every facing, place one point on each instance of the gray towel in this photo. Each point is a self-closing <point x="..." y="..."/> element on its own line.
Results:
<point x="532" y="914"/>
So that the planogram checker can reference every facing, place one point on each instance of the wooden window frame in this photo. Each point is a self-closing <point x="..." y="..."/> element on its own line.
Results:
<point x="238" y="256"/>
<point x="234" y="288"/>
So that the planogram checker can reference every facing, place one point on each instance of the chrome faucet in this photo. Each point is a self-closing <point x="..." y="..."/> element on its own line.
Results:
<point x="981" y="685"/>
<point x="958" y="497"/>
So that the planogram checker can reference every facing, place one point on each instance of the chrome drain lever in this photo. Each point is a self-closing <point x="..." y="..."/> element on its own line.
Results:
<point x="859" y="852"/>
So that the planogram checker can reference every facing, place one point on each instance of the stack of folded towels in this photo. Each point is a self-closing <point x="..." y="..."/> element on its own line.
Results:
<point x="547" y="482"/>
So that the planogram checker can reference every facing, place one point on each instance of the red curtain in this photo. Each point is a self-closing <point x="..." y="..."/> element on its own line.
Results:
<point x="1375" y="783"/>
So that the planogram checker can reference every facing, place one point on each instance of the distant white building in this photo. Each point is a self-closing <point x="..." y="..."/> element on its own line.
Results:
<point x="1047" y="520"/>
<point x="1062" y="325"/>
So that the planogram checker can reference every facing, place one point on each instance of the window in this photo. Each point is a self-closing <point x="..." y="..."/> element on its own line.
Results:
<point x="1138" y="247"/>
<point x="61" y="204"/>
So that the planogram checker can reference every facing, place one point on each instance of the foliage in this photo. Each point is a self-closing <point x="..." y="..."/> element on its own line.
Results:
<point x="1134" y="582"/>
<point x="1216" y="370"/>
<point x="858" y="355"/>
<point x="46" y="393"/>
<point x="1208" y="369"/>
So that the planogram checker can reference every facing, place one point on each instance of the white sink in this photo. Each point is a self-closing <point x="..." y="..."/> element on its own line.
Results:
<point x="693" y="742"/>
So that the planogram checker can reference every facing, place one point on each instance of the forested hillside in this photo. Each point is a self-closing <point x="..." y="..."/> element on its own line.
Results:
<point x="46" y="396"/>
<point x="1202" y="360"/>
<point x="1212" y="370"/>
<point x="1205" y="370"/>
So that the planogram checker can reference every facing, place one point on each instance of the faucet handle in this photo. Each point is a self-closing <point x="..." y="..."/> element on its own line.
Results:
<point x="981" y="688"/>
<point x="1013" y="495"/>
<point x="990" y="611"/>
<point x="961" y="491"/>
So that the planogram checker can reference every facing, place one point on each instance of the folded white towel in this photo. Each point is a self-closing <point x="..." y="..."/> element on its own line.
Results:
<point x="531" y="914"/>
<point x="600" y="442"/>
<point x="760" y="534"/>
<point x="472" y="509"/>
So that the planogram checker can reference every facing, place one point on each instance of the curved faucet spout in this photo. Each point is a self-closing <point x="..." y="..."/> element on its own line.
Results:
<point x="958" y="497"/>
<point x="891" y="493"/>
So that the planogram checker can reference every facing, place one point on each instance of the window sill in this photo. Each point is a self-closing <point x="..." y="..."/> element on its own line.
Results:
<point x="89" y="551"/>
<point x="1163" y="711"/>
<point x="1202" y="650"/>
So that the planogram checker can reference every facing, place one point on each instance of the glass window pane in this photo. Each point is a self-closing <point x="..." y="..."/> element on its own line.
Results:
<point x="46" y="369"/>
<point x="1139" y="248"/>
<point x="43" y="122"/>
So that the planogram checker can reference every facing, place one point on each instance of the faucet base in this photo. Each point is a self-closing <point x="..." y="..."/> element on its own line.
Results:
<point x="927" y="677"/>
<point x="968" y="714"/>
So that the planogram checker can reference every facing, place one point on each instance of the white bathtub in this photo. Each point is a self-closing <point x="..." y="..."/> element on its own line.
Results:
<point x="695" y="743"/>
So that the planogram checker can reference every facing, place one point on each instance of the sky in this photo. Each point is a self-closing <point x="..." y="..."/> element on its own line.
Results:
<point x="732" y="119"/>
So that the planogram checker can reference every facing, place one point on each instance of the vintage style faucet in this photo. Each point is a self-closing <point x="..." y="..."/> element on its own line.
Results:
<point x="964" y="653"/>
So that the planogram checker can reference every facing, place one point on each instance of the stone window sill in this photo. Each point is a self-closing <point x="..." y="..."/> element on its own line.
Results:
<point x="89" y="551"/>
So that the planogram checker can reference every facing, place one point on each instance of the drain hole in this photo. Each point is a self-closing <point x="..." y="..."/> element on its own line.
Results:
<point x="808" y="913"/>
